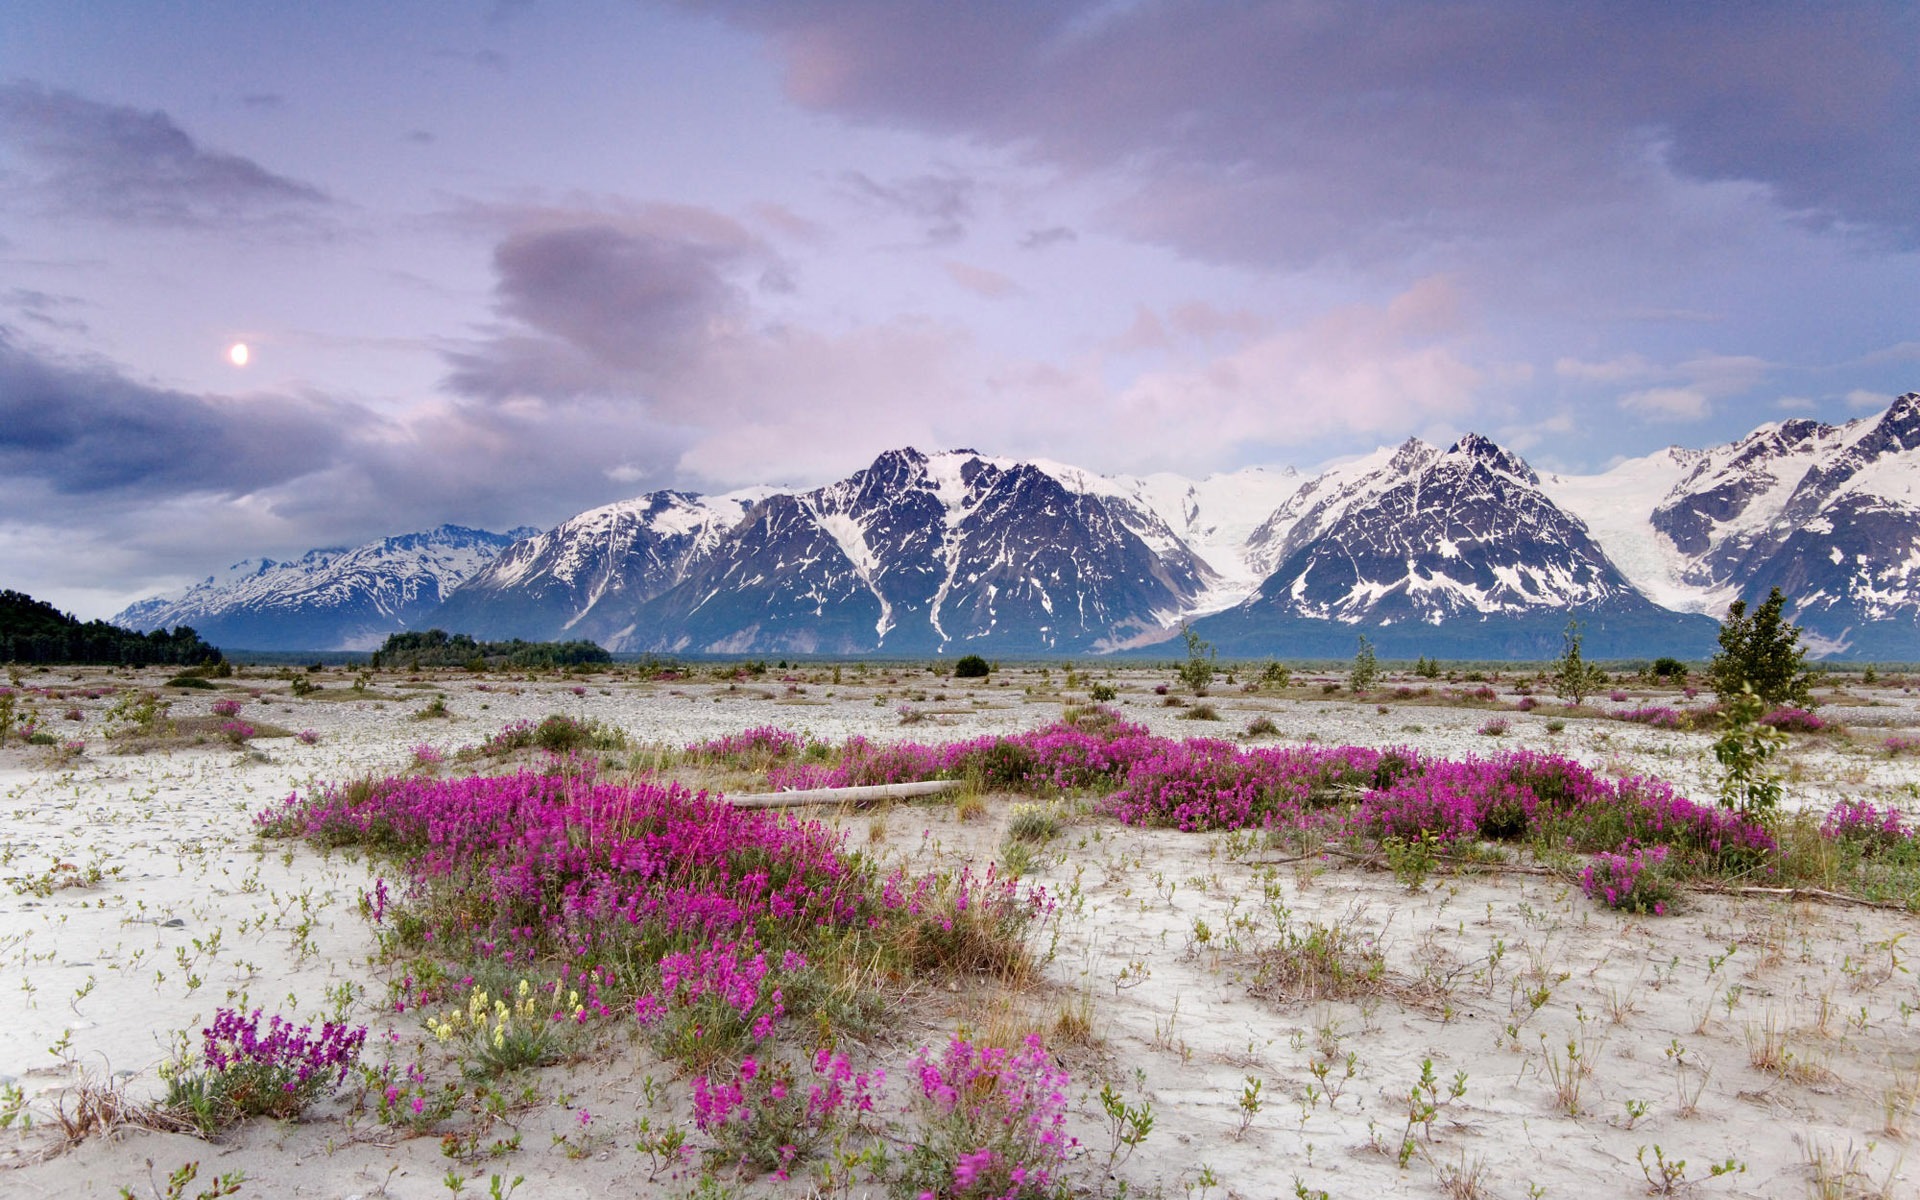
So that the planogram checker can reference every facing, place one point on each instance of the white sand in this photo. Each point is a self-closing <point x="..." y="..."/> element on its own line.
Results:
<point x="193" y="913"/>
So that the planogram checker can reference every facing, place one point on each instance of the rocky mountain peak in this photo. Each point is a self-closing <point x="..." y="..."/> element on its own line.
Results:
<point x="1495" y="456"/>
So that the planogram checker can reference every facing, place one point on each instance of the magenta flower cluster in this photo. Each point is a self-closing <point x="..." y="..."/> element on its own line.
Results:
<point x="1658" y="716"/>
<point x="994" y="1122"/>
<point x="279" y="1070"/>
<point x="720" y="984"/>
<point x="236" y="731"/>
<point x="769" y="1119"/>
<point x="1204" y="783"/>
<point x="1873" y="829"/>
<point x="226" y="708"/>
<point x="1630" y="880"/>
<point x="1793" y="720"/>
<point x="762" y="740"/>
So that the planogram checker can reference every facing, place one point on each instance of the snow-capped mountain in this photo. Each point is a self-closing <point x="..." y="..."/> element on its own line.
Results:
<point x="585" y="577"/>
<point x="926" y="554"/>
<point x="332" y="599"/>
<point x="1438" y="552"/>
<point x="1464" y="551"/>
<point x="1827" y="513"/>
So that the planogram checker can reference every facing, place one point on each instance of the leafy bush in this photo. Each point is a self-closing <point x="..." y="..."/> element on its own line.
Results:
<point x="1761" y="652"/>
<point x="971" y="666"/>
<point x="1365" y="669"/>
<point x="1197" y="671"/>
<point x="1748" y="785"/>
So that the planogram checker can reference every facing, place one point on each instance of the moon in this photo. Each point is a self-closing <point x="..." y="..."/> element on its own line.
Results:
<point x="238" y="354"/>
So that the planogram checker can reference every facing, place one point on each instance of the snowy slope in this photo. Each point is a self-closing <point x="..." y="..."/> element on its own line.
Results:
<point x="329" y="599"/>
<point x="1617" y="508"/>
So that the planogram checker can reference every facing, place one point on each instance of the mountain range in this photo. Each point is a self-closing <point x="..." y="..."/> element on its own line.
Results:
<point x="1456" y="551"/>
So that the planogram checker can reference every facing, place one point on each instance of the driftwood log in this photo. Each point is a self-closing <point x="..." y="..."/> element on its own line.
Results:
<point x="856" y="796"/>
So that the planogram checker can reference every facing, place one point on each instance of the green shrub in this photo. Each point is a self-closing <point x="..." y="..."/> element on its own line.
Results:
<point x="971" y="666"/>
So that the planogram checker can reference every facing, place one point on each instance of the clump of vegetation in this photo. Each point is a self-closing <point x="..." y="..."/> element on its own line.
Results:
<point x="437" y="648"/>
<point x="557" y="734"/>
<point x="971" y="666"/>
<point x="1275" y="675"/>
<point x="1033" y="823"/>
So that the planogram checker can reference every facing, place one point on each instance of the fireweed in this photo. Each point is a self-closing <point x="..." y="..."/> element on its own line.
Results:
<point x="709" y="922"/>
<point x="1658" y="716"/>
<point x="769" y="1116"/>
<point x="1872" y="830"/>
<point x="992" y="1123"/>
<point x="248" y="1071"/>
<point x="1200" y="783"/>
<point x="1793" y="720"/>
<point x="1632" y="881"/>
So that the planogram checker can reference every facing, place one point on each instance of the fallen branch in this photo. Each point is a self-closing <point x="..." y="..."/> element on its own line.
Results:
<point x="1802" y="893"/>
<point x="856" y="796"/>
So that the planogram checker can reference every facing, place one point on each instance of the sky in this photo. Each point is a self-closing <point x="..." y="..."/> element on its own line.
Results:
<point x="498" y="263"/>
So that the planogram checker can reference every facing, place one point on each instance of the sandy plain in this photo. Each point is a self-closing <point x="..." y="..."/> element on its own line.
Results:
<point x="1773" y="1040"/>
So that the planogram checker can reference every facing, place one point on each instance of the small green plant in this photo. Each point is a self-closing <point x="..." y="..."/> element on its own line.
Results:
<point x="1102" y="693"/>
<point x="183" y="1176"/>
<point x="1424" y="1104"/>
<point x="1275" y="675"/>
<point x="1748" y="785"/>
<point x="1197" y="671"/>
<point x="970" y="666"/>
<point x="1412" y="859"/>
<point x="1250" y="1105"/>
<point x="1129" y="1125"/>
<point x="1574" y="679"/>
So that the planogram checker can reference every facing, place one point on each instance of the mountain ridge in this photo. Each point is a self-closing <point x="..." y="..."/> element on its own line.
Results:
<point x="1467" y="546"/>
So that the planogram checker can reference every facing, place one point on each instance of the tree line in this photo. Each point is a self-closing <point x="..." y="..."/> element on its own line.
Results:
<point x="438" y="648"/>
<point x="33" y="631"/>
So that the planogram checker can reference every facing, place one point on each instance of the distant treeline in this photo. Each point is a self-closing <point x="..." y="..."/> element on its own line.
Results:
<point x="438" y="648"/>
<point x="33" y="631"/>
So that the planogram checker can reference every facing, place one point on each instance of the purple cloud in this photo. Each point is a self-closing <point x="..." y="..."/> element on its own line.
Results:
<point x="119" y="164"/>
<point x="1287" y="133"/>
